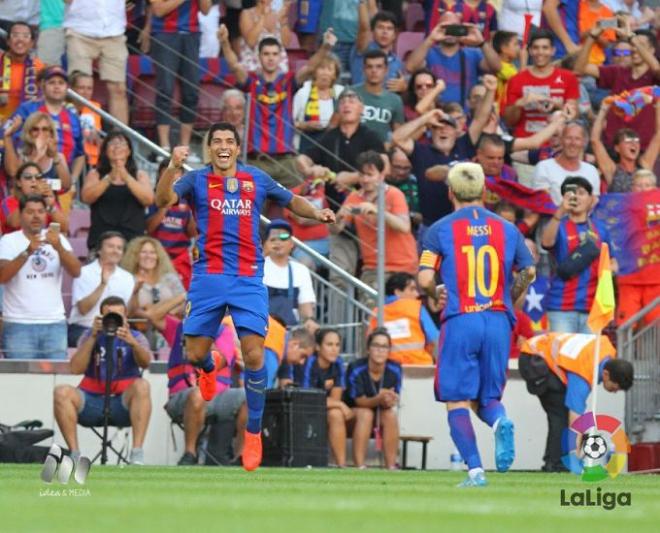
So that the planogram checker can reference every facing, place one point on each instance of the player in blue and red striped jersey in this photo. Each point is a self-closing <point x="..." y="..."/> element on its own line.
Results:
<point x="569" y="300"/>
<point x="271" y="104"/>
<point x="476" y="252"/>
<point x="227" y="199"/>
<point x="175" y="49"/>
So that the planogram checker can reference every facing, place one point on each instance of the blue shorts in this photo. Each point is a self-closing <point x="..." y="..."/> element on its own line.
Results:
<point x="309" y="14"/>
<point x="473" y="356"/>
<point x="91" y="413"/>
<point x="212" y="295"/>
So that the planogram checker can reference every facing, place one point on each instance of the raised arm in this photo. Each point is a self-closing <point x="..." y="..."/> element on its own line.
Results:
<point x="165" y="195"/>
<point x="403" y="136"/>
<point x="417" y="58"/>
<point x="364" y="36"/>
<point x="230" y="56"/>
<point x="427" y="102"/>
<point x="551" y="13"/>
<point x="523" y="280"/>
<point x="303" y="208"/>
<point x="329" y="40"/>
<point x="537" y="140"/>
<point x="484" y="109"/>
<point x="647" y="160"/>
<point x="582" y="66"/>
<point x="603" y="160"/>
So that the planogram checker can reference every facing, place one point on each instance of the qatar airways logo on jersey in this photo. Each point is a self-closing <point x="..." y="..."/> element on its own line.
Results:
<point x="232" y="206"/>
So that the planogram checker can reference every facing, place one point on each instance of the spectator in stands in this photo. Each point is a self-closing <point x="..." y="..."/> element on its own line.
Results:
<point x="573" y="288"/>
<point x="342" y="17"/>
<point x="30" y="181"/>
<point x="638" y="16"/>
<point x="402" y="178"/>
<point x="456" y="60"/>
<point x="175" y="50"/>
<point x="99" y="279"/>
<point x="39" y="145"/>
<point x="258" y="23"/>
<point x="421" y="82"/>
<point x="90" y="121"/>
<point x="374" y="385"/>
<point x="507" y="46"/>
<point x="31" y="265"/>
<point x="535" y="93"/>
<point x="562" y="17"/>
<point x="130" y="404"/>
<point x="270" y="139"/>
<point x="95" y="31"/>
<point x="550" y="174"/>
<point x="512" y="15"/>
<point x="23" y="10"/>
<point x="155" y="280"/>
<point x="315" y="103"/>
<point x="117" y="191"/>
<point x="232" y="109"/>
<point x="290" y="292"/>
<point x="383" y="109"/>
<point x="618" y="174"/>
<point x="622" y="54"/>
<point x="185" y="404"/>
<point x="54" y="84"/>
<point x="324" y="370"/>
<point x="174" y="227"/>
<point x="20" y="70"/>
<point x="51" y="41"/>
<point x="360" y="209"/>
<point x="645" y="71"/>
<point x="643" y="180"/>
<point x="378" y="34"/>
<point x="290" y="349"/>
<point x="479" y="13"/>
<point x="412" y="330"/>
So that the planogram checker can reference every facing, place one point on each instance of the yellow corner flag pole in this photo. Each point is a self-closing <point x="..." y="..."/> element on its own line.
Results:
<point x="602" y="311"/>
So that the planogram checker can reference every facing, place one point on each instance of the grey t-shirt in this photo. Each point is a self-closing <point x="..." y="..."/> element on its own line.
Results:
<point x="381" y="111"/>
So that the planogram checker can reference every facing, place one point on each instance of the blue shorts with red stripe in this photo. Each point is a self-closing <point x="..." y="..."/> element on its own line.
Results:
<point x="211" y="296"/>
<point x="473" y="356"/>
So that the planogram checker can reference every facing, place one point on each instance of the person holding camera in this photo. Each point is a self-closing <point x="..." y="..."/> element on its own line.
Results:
<point x="31" y="265"/>
<point x="130" y="402"/>
<point x="574" y="240"/>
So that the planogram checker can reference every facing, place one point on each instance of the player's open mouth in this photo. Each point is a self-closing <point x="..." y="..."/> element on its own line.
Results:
<point x="223" y="156"/>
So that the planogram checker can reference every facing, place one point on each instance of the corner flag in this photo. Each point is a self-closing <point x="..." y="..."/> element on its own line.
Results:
<point x="602" y="309"/>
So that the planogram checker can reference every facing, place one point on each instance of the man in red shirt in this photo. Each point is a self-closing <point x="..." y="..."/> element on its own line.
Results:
<point x="535" y="93"/>
<point x="644" y="71"/>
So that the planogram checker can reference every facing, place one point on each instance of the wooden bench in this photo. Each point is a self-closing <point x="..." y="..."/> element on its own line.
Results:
<point x="405" y="439"/>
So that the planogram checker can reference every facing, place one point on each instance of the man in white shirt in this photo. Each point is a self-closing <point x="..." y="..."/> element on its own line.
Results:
<point x="31" y="263"/>
<point x="551" y="173"/>
<point x="290" y="292"/>
<point x="101" y="278"/>
<point x="95" y="29"/>
<point x="15" y="10"/>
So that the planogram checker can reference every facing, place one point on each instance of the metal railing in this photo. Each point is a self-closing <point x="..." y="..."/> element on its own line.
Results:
<point x="640" y="344"/>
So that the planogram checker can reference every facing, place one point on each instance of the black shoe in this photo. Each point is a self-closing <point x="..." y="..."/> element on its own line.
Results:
<point x="554" y="468"/>
<point x="187" y="459"/>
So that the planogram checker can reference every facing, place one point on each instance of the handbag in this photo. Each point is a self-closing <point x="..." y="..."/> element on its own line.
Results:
<point x="581" y="258"/>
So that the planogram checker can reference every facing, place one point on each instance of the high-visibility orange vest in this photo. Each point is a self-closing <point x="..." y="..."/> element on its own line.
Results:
<point x="401" y="318"/>
<point x="276" y="338"/>
<point x="569" y="352"/>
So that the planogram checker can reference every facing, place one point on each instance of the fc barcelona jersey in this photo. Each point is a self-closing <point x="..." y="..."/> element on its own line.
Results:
<point x="476" y="252"/>
<point x="227" y="211"/>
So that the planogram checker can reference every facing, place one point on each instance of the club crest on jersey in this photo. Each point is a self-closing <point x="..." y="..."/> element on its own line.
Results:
<point x="232" y="184"/>
<point x="247" y="186"/>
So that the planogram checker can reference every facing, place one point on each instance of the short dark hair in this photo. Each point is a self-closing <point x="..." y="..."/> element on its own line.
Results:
<point x="223" y="126"/>
<point x="384" y="16"/>
<point x="20" y="23"/>
<point x="649" y="35"/>
<point x="492" y="139"/>
<point x="621" y="372"/>
<point x="579" y="181"/>
<point x="110" y="234"/>
<point x="24" y="166"/>
<point x="374" y="54"/>
<point x="624" y="133"/>
<point x="322" y="333"/>
<point x="31" y="198"/>
<point x="370" y="158"/>
<point x="376" y="333"/>
<point x="112" y="300"/>
<point x="398" y="282"/>
<point x="537" y="35"/>
<point x="502" y="38"/>
<point x="303" y="336"/>
<point x="269" y="41"/>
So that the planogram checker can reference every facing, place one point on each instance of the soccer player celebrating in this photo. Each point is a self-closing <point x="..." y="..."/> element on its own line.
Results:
<point x="476" y="252"/>
<point x="227" y="199"/>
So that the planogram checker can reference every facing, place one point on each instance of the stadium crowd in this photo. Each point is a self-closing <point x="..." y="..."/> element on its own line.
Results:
<point x="557" y="101"/>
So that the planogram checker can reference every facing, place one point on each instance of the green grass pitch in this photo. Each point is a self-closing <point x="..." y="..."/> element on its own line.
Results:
<point x="205" y="500"/>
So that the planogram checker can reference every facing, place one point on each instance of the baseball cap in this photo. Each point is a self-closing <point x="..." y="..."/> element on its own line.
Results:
<point x="448" y="119"/>
<point x="281" y="224"/>
<point x="349" y="93"/>
<point x="52" y="71"/>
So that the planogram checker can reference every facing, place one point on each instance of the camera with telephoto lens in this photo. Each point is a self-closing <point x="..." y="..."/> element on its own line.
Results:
<point x="111" y="323"/>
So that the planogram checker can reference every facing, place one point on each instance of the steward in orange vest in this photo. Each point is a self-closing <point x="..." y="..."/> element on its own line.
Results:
<point x="558" y="368"/>
<point x="284" y="349"/>
<point x="409" y="324"/>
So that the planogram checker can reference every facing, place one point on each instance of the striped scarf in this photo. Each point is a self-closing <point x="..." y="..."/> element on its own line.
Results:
<point x="312" y="111"/>
<point x="29" y="90"/>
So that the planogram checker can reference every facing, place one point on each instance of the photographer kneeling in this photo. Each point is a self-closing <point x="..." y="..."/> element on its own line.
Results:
<point x="574" y="240"/>
<point x="130" y="402"/>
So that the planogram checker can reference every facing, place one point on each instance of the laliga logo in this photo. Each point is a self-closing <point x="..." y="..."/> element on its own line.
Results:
<point x="62" y="465"/>
<point x="604" y="447"/>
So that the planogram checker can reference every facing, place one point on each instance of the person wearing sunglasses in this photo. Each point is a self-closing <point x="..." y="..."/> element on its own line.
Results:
<point x="622" y="54"/>
<point x="30" y="181"/>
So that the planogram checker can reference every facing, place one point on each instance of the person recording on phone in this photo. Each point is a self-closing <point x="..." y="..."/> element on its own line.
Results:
<point x="574" y="240"/>
<point x="130" y="404"/>
<point x="31" y="265"/>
